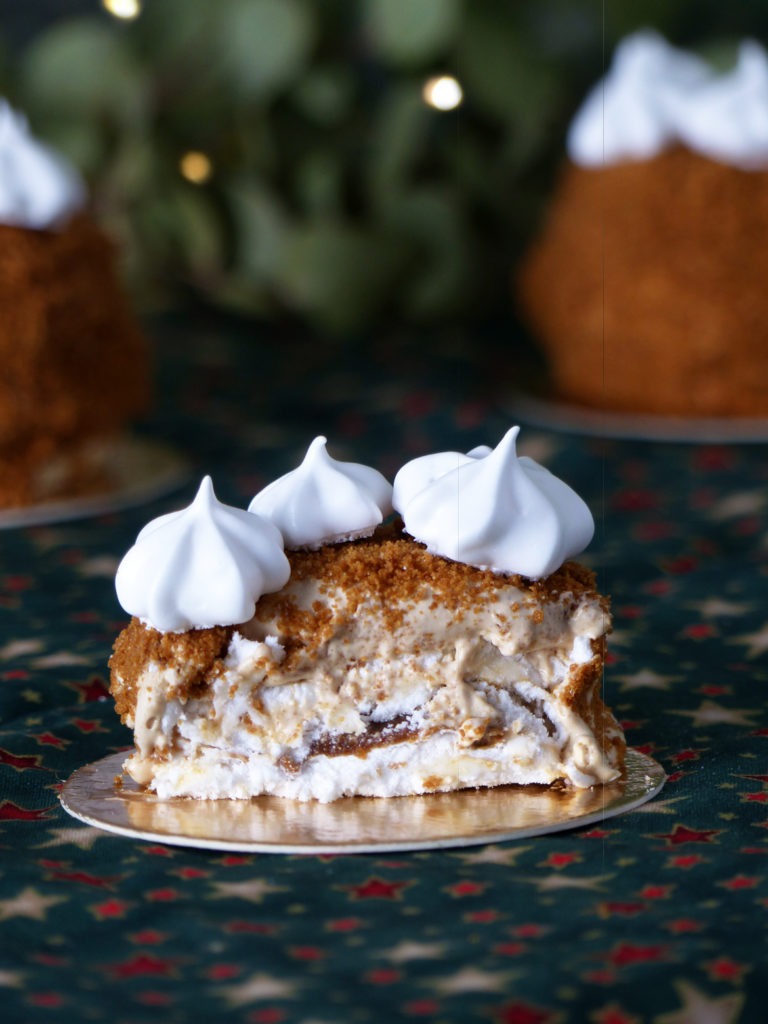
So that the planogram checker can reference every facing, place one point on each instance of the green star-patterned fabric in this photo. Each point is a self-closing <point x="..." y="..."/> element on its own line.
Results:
<point x="653" y="917"/>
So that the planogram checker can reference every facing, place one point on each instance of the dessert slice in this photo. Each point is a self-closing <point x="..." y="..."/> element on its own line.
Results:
<point x="380" y="667"/>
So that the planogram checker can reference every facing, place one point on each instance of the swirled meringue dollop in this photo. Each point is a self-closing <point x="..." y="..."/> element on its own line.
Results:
<point x="655" y="95"/>
<point x="493" y="510"/>
<point x="206" y="565"/>
<point x="325" y="501"/>
<point x="38" y="187"/>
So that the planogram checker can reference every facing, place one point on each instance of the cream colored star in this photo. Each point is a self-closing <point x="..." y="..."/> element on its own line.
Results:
<point x="255" y="889"/>
<point x="714" y="607"/>
<point x="258" y="987"/>
<point x="506" y="855"/>
<point x="757" y="641"/>
<point x="659" y="806"/>
<point x="83" y="836"/>
<point x="11" y="979"/>
<point x="470" y="979"/>
<point x="102" y="565"/>
<point x="60" y="659"/>
<point x="20" y="648"/>
<point x="710" y="713"/>
<point x="698" y="1008"/>
<point x="647" y="678"/>
<point x="550" y="883"/>
<point x="405" y="951"/>
<point x="29" y="903"/>
<point x="735" y="506"/>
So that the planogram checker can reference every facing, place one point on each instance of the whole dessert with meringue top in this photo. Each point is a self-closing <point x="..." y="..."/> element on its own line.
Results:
<point x="651" y="255"/>
<point x="350" y="637"/>
<point x="75" y="363"/>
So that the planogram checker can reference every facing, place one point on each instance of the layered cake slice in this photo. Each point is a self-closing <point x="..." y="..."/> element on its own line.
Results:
<point x="371" y="658"/>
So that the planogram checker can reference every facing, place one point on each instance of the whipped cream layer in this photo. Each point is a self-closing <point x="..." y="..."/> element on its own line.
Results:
<point x="38" y="187"/>
<point x="493" y="509"/>
<point x="655" y="95"/>
<point x="206" y="565"/>
<point x="324" y="500"/>
<point x="378" y="670"/>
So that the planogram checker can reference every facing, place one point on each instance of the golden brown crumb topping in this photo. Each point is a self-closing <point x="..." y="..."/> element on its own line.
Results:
<point x="390" y="571"/>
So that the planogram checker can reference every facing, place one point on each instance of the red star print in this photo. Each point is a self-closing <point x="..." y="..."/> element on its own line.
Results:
<point x="613" y="1015"/>
<point x="269" y="1015"/>
<point x="482" y="916"/>
<point x="740" y="882"/>
<point x="344" y="924"/>
<point x="755" y="798"/>
<point x="9" y="811"/>
<point x="307" y="952"/>
<point x="655" y="892"/>
<point x="686" y="860"/>
<point x="110" y="908"/>
<point x="143" y="965"/>
<point x="47" y="739"/>
<point x="725" y="969"/>
<point x="466" y="889"/>
<point x="50" y="1000"/>
<point x="683" y="925"/>
<point x="685" y="755"/>
<point x="148" y="937"/>
<point x="699" y="631"/>
<point x="510" y="949"/>
<point x="621" y="909"/>
<point x="85" y="878"/>
<point x="561" y="860"/>
<point x="421" y="1008"/>
<point x="629" y="953"/>
<point x="377" y="888"/>
<point x="163" y="895"/>
<point x="94" y="689"/>
<point x="20" y="761"/>
<point x="596" y="833"/>
<point x="222" y="972"/>
<point x="522" y="1013"/>
<point x="682" y="834"/>
<point x="383" y="976"/>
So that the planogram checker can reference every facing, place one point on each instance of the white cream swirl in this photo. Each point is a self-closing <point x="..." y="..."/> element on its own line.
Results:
<point x="325" y="501"/>
<point x="206" y="565"/>
<point x="493" y="510"/>
<point x="655" y="95"/>
<point x="38" y="187"/>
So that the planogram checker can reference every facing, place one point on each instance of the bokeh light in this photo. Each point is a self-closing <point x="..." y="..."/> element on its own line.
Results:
<point x="443" y="92"/>
<point x="196" y="167"/>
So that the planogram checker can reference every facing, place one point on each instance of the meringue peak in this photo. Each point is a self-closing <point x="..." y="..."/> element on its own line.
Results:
<point x="325" y="500"/>
<point x="493" y="509"/>
<point x="206" y="565"/>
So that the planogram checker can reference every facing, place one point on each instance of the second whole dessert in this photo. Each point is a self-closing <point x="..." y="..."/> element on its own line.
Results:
<point x="651" y="257"/>
<point x="75" y="363"/>
<point x="317" y="646"/>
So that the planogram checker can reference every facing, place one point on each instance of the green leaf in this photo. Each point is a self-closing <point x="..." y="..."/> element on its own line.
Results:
<point x="412" y="32"/>
<point x="260" y="223"/>
<point x="336" y="274"/>
<point x="398" y="134"/>
<point x="82" y="68"/>
<point x="260" y="46"/>
<point x="432" y="220"/>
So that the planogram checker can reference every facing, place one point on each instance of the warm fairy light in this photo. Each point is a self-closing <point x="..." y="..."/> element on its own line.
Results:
<point x="125" y="9"/>
<point x="195" y="167"/>
<point x="443" y="92"/>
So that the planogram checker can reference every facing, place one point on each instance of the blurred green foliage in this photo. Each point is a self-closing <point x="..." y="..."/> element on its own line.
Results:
<point x="337" y="196"/>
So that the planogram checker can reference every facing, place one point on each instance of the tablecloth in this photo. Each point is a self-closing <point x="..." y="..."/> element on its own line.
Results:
<point x="655" y="916"/>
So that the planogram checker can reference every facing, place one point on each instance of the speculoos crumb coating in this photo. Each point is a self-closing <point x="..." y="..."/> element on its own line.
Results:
<point x="654" y="266"/>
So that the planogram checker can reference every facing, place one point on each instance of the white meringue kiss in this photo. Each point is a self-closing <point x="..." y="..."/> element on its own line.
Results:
<point x="655" y="95"/>
<point x="206" y="565"/>
<point x="324" y="501"/>
<point x="493" y="510"/>
<point x="38" y="187"/>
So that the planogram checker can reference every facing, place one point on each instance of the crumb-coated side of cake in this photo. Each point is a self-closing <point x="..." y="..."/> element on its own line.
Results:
<point x="655" y="264"/>
<point x="75" y="365"/>
<point x="379" y="669"/>
<point x="646" y="284"/>
<point x="362" y="661"/>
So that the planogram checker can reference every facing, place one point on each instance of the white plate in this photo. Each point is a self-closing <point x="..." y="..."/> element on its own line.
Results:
<point x="137" y="470"/>
<point x="554" y="415"/>
<point x="354" y="825"/>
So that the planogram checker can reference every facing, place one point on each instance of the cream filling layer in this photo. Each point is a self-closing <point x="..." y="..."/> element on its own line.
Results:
<point x="487" y="704"/>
